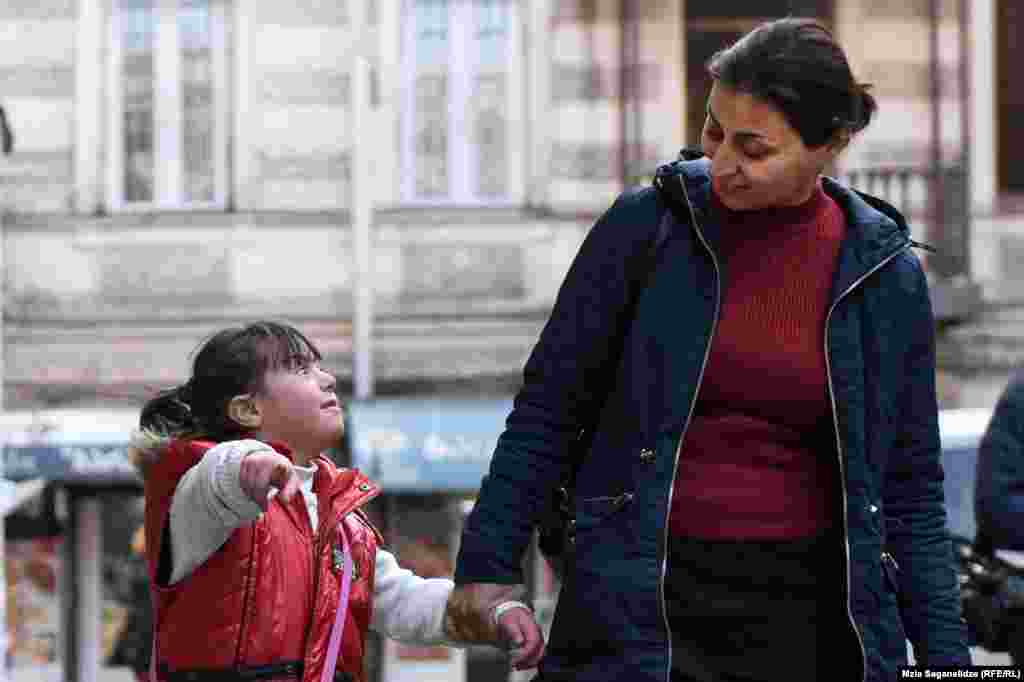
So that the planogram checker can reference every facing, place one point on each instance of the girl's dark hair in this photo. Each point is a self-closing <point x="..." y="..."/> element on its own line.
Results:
<point x="231" y="362"/>
<point x="797" y="65"/>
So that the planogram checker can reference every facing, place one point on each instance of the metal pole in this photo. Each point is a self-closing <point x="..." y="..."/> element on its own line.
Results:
<point x="965" y="132"/>
<point x="6" y="146"/>
<point x="623" y="101"/>
<point x="936" y="226"/>
<point x="89" y="553"/>
<point x="83" y="573"/>
<point x="361" y="202"/>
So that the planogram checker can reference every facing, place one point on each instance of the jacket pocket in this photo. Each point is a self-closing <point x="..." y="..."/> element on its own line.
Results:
<point x="593" y="511"/>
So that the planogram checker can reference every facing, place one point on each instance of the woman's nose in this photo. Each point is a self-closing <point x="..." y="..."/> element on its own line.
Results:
<point x="723" y="162"/>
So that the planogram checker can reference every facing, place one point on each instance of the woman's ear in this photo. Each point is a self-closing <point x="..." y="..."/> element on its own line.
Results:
<point x="839" y="141"/>
<point x="243" y="410"/>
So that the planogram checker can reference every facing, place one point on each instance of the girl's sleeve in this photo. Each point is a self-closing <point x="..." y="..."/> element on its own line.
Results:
<point x="406" y="607"/>
<point x="208" y="505"/>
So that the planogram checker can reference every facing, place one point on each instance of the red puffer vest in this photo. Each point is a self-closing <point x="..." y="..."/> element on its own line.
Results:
<point x="270" y="594"/>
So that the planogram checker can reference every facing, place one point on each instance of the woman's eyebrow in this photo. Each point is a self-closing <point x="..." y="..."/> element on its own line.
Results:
<point x="741" y="135"/>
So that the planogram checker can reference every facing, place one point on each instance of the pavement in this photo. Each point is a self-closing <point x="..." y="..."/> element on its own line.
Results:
<point x="53" y="673"/>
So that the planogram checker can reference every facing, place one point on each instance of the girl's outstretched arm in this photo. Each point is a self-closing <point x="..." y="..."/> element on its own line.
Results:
<point x="218" y="495"/>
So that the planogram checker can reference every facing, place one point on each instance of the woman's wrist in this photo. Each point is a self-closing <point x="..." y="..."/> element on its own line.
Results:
<point x="504" y="606"/>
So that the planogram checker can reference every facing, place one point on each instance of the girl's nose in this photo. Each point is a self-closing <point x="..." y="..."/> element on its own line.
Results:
<point x="327" y="380"/>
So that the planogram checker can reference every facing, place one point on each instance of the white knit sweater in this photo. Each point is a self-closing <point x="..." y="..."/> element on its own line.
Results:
<point x="209" y="504"/>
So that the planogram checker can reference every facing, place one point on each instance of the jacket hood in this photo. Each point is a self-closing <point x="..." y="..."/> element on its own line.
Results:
<point x="145" y="447"/>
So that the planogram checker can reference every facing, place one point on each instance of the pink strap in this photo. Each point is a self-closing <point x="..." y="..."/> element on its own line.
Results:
<point x="339" y="620"/>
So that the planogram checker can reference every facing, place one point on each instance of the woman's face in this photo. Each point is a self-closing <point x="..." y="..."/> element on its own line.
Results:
<point x="757" y="159"/>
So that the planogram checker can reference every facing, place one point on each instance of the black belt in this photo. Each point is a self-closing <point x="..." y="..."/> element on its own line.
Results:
<point x="249" y="673"/>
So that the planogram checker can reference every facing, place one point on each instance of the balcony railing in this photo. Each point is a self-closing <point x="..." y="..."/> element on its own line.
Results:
<point x="934" y="204"/>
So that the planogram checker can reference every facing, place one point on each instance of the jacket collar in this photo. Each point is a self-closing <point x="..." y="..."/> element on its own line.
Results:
<point x="329" y="482"/>
<point x="875" y="230"/>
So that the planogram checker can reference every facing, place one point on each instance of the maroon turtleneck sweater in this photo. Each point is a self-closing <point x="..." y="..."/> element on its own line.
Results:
<point x="758" y="460"/>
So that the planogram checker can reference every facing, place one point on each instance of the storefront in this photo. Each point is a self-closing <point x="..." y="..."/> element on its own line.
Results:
<point x="429" y="456"/>
<point x="68" y="550"/>
<point x="65" y="550"/>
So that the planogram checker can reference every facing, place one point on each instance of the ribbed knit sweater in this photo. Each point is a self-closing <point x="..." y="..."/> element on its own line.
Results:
<point x="758" y="460"/>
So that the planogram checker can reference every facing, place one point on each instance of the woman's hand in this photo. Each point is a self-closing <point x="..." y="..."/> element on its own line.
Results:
<point x="470" y="618"/>
<point x="519" y="631"/>
<point x="263" y="470"/>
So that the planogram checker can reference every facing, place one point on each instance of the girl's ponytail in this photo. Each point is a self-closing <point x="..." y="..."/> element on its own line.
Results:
<point x="169" y="413"/>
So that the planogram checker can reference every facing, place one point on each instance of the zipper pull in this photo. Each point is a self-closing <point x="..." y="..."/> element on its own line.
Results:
<point x="892" y="570"/>
<point x="926" y="247"/>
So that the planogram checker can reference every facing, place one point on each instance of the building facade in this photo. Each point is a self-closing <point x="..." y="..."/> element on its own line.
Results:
<point x="185" y="164"/>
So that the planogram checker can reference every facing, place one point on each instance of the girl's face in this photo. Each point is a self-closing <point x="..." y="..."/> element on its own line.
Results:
<point x="297" y="405"/>
<point x="757" y="159"/>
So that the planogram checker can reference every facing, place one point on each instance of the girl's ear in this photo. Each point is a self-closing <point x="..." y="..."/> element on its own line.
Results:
<point x="243" y="410"/>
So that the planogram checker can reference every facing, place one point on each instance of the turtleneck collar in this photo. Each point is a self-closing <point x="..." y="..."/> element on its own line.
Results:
<point x="774" y="218"/>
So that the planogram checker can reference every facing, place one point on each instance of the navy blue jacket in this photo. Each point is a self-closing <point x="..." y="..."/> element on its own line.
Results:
<point x="999" y="494"/>
<point x="610" y="622"/>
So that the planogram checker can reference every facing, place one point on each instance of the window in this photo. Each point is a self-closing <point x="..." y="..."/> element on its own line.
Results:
<point x="458" y="88"/>
<point x="167" y="141"/>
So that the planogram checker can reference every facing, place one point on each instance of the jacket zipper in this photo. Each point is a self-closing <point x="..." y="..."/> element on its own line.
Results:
<point x="839" y="448"/>
<point x="318" y="538"/>
<point x="679" y="443"/>
<point x="311" y="609"/>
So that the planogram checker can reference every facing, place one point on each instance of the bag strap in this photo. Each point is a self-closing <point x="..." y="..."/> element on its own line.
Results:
<point x="639" y="278"/>
<point x="339" y="620"/>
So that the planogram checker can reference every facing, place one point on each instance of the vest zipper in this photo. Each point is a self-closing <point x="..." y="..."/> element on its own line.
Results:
<point x="839" y="449"/>
<point x="686" y="426"/>
<point x="314" y="567"/>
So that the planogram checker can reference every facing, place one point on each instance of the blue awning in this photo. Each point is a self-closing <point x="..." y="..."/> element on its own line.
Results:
<point x="71" y="463"/>
<point x="426" y="445"/>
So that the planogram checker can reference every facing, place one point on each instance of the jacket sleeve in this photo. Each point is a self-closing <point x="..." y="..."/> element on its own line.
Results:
<point x="914" y="500"/>
<point x="406" y="607"/>
<point x="999" y="496"/>
<point x="563" y="382"/>
<point x="208" y="505"/>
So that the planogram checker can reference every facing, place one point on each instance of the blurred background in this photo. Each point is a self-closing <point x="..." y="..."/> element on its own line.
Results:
<point x="407" y="181"/>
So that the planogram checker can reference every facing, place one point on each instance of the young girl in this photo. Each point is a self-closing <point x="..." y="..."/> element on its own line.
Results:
<point x="263" y="565"/>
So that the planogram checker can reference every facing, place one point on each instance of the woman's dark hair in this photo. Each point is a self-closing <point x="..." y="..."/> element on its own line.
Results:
<point x="797" y="65"/>
<point x="231" y="362"/>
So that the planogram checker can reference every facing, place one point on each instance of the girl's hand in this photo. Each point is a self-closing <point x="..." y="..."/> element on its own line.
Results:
<point x="520" y="632"/>
<point x="263" y="470"/>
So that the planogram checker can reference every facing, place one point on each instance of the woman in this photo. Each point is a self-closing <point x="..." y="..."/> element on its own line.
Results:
<point x="764" y="482"/>
<point x="998" y="497"/>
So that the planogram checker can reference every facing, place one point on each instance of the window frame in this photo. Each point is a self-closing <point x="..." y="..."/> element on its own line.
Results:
<point x="168" y="155"/>
<point x="461" y="150"/>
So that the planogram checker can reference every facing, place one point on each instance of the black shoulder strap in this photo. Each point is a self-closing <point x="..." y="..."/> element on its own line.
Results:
<point x="638" y="278"/>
